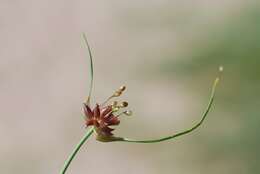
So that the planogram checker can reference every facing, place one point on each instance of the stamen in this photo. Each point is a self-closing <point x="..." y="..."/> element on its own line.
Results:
<point x="123" y="104"/>
<point x="119" y="91"/>
<point x="127" y="113"/>
<point x="122" y="88"/>
<point x="115" y="109"/>
<point x="116" y="94"/>
<point x="106" y="100"/>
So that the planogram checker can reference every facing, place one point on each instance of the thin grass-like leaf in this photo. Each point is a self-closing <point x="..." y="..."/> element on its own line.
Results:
<point x="91" y="68"/>
<point x="90" y="131"/>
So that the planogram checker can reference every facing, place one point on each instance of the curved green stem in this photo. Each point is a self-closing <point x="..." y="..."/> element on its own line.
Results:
<point x="75" y="151"/>
<point x="91" y="67"/>
<point x="204" y="115"/>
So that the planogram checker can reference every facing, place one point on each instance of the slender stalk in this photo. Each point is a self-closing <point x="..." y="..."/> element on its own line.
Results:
<point x="91" y="130"/>
<point x="91" y="67"/>
<point x="204" y="115"/>
<point x="75" y="150"/>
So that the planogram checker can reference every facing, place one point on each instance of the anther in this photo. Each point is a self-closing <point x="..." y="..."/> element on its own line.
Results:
<point x="122" y="88"/>
<point x="128" y="113"/>
<point x="115" y="109"/>
<point x="123" y="104"/>
<point x="117" y="94"/>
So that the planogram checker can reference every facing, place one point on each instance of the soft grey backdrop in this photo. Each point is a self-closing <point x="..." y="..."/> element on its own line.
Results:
<point x="153" y="47"/>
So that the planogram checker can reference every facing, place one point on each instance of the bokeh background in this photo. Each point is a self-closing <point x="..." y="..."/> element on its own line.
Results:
<point x="166" y="52"/>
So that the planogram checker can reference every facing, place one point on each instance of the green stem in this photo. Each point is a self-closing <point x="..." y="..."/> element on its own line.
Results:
<point x="75" y="150"/>
<point x="91" y="67"/>
<point x="204" y="115"/>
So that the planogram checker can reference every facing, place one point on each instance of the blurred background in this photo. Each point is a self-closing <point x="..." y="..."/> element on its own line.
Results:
<point x="166" y="52"/>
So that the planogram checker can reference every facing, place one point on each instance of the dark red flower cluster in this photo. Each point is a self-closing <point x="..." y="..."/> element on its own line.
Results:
<point x="101" y="118"/>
